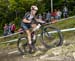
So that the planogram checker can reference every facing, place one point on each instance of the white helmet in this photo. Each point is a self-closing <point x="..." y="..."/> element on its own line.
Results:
<point x="34" y="7"/>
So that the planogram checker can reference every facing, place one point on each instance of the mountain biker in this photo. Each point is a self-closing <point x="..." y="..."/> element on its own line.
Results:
<point x="29" y="22"/>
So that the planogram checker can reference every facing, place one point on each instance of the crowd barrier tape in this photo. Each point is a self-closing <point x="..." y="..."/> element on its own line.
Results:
<point x="64" y="30"/>
<point x="10" y="35"/>
<point x="66" y="18"/>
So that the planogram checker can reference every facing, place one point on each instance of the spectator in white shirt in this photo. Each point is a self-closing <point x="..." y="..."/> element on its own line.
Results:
<point x="59" y="14"/>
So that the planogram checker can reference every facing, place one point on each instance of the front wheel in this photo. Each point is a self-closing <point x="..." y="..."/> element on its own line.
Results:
<point x="51" y="36"/>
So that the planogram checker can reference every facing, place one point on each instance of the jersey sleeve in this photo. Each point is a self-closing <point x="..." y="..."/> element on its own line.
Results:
<point x="26" y="16"/>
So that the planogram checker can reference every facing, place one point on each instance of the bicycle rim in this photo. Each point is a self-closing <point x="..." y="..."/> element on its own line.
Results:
<point x="22" y="44"/>
<point x="52" y="37"/>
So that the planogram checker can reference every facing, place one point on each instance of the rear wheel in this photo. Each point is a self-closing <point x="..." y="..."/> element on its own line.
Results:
<point x="52" y="36"/>
<point x="21" y="44"/>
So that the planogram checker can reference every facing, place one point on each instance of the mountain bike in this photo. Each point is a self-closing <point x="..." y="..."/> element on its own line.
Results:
<point x="49" y="36"/>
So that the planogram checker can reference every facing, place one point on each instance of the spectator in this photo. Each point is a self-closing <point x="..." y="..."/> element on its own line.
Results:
<point x="44" y="16"/>
<point x="53" y="16"/>
<point x="65" y="12"/>
<point x="59" y="13"/>
<point x="5" y="29"/>
<point x="13" y="27"/>
<point x="40" y="16"/>
<point x="9" y="28"/>
<point x="48" y="16"/>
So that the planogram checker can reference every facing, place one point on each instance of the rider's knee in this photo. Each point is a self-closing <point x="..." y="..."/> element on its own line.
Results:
<point x="28" y="32"/>
<point x="33" y="25"/>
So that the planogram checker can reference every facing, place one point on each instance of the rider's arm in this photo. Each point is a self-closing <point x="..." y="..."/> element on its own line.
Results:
<point x="25" y="18"/>
<point x="26" y="21"/>
<point x="39" y="20"/>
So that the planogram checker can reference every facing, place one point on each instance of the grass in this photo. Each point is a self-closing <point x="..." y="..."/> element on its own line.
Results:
<point x="65" y="24"/>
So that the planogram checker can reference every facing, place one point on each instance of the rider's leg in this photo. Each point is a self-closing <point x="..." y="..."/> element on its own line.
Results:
<point x="29" y="40"/>
<point x="33" y="31"/>
<point x="33" y="26"/>
<point x="31" y="47"/>
<point x="26" y="28"/>
<point x="33" y="35"/>
<point x="29" y="36"/>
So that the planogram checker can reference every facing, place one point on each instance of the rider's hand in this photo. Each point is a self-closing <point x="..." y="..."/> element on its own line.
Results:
<point x="41" y="21"/>
<point x="26" y="21"/>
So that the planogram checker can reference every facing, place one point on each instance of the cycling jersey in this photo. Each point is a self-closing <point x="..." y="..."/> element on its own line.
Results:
<point x="28" y="17"/>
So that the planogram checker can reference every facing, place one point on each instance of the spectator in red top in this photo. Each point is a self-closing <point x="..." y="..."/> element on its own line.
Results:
<point x="53" y="16"/>
<point x="13" y="27"/>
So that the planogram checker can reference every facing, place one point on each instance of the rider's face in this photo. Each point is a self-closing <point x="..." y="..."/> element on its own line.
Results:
<point x="34" y="12"/>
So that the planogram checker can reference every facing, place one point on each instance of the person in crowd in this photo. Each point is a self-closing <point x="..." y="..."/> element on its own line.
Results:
<point x="59" y="14"/>
<point x="65" y="12"/>
<point x="40" y="16"/>
<point x="9" y="28"/>
<point x="48" y="16"/>
<point x="5" y="29"/>
<point x="13" y="28"/>
<point x="54" y="13"/>
<point x="44" y="16"/>
<point x="53" y="16"/>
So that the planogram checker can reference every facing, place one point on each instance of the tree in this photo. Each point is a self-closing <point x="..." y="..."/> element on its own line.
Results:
<point x="14" y="10"/>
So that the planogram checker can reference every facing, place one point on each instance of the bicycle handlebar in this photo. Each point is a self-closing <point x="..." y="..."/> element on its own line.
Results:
<point x="46" y="23"/>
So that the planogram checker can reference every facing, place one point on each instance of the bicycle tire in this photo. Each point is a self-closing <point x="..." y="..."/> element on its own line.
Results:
<point x="47" y="35"/>
<point x="23" y="48"/>
<point x="21" y="44"/>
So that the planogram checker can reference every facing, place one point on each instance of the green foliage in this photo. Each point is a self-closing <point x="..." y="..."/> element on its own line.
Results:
<point x="12" y="9"/>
